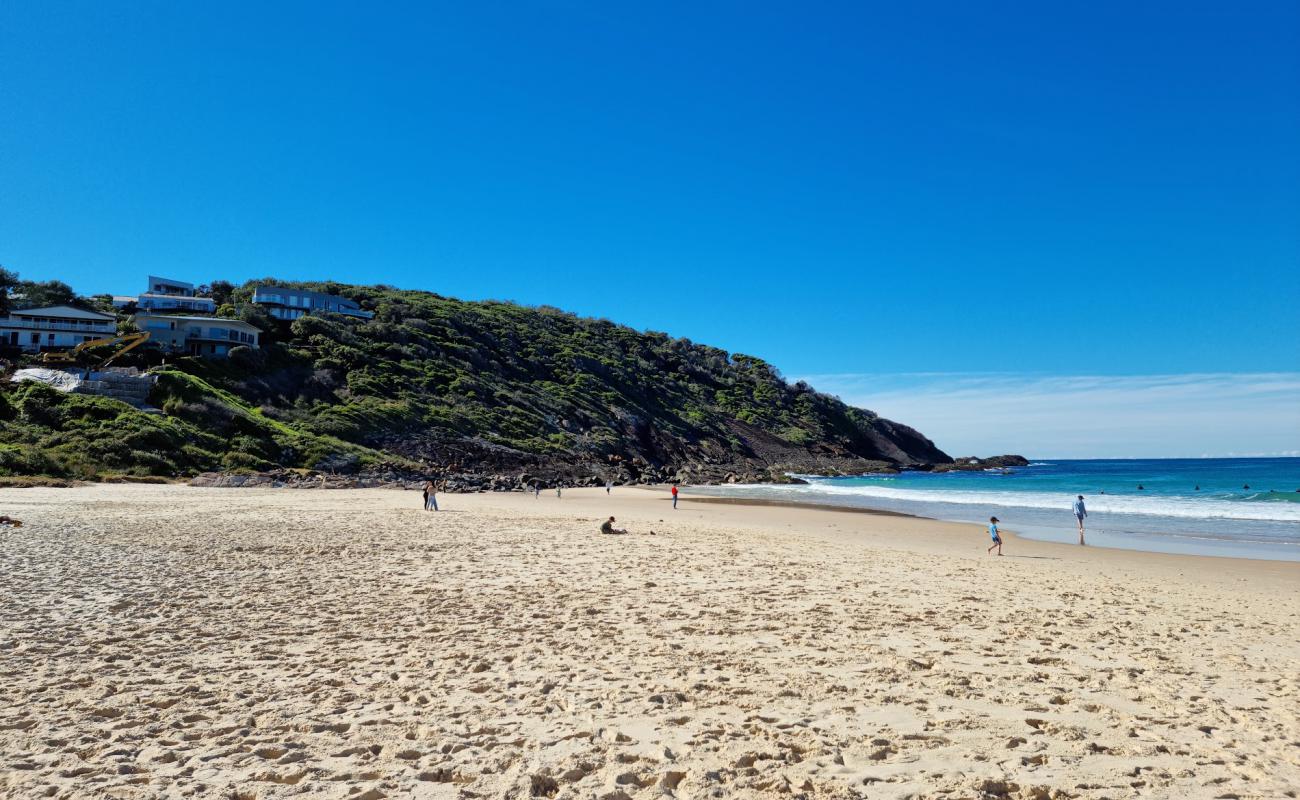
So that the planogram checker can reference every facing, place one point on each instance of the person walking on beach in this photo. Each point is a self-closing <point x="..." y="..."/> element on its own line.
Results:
<point x="557" y="492"/>
<point x="608" y="485"/>
<point x="993" y="531"/>
<point x="430" y="496"/>
<point x="1079" y="513"/>
<point x="537" y="490"/>
<point x="674" y="495"/>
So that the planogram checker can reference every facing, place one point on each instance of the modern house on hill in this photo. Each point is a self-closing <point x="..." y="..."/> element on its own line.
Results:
<point x="54" y="328"/>
<point x="168" y="294"/>
<point x="285" y="303"/>
<point x="199" y="336"/>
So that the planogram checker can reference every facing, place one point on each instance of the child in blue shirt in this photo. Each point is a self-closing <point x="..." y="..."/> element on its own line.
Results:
<point x="993" y="531"/>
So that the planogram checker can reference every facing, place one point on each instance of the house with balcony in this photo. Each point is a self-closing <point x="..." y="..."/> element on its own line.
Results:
<point x="198" y="336"/>
<point x="168" y="294"/>
<point x="288" y="304"/>
<point x="34" y="330"/>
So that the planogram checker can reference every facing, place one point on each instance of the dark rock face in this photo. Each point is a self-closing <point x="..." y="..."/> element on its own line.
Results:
<point x="653" y="456"/>
<point x="469" y="464"/>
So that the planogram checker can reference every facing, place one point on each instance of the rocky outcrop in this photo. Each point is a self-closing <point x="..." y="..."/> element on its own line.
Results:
<point x="754" y="456"/>
<point x="974" y="464"/>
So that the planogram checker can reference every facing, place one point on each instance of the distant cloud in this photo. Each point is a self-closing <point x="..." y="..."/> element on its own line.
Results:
<point x="1083" y="416"/>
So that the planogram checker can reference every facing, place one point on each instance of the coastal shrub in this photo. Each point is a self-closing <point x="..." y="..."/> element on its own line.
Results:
<point x="38" y="403"/>
<point x="24" y="460"/>
<point x="797" y="436"/>
<point x="246" y="357"/>
<point x="236" y="461"/>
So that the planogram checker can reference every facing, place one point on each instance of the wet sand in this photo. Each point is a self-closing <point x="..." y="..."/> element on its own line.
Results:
<point x="167" y="641"/>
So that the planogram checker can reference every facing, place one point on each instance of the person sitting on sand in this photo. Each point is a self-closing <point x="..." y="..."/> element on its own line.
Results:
<point x="993" y="531"/>
<point x="608" y="527"/>
<point x="17" y="523"/>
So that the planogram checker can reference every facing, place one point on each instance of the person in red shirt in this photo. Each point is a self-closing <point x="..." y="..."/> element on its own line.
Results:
<point x="674" y="495"/>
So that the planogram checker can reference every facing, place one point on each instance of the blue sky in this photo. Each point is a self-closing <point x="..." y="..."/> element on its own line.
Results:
<point x="847" y="190"/>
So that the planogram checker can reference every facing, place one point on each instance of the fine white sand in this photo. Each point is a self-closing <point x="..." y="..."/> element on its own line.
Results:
<point x="168" y="641"/>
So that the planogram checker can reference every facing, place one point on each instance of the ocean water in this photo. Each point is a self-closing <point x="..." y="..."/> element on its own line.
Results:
<point x="1241" y="507"/>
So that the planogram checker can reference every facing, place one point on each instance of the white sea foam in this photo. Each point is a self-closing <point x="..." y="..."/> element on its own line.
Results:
<point x="1177" y="507"/>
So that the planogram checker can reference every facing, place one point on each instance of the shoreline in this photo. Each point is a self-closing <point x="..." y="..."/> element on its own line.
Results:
<point x="1009" y="534"/>
<point x="1108" y="529"/>
<point x="762" y="501"/>
<point x="962" y="534"/>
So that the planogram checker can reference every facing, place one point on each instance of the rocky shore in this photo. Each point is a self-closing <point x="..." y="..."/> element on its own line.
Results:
<point x="458" y="477"/>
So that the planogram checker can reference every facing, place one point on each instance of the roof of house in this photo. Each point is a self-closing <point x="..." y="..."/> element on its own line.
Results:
<point x="62" y="312"/>
<point x="311" y="292"/>
<point x="233" y="323"/>
<point x="169" y="281"/>
<point x="185" y="297"/>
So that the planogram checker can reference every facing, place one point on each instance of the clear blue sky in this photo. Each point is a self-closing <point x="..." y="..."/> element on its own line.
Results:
<point x="1104" y="189"/>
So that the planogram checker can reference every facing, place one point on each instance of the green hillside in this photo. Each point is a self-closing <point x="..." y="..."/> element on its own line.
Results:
<point x="433" y="384"/>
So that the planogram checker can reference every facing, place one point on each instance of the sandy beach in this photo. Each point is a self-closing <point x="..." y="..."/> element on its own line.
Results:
<point x="169" y="641"/>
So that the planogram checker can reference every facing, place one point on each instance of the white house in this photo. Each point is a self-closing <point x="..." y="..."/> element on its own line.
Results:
<point x="54" y="328"/>
<point x="200" y="336"/>
<point x="167" y="294"/>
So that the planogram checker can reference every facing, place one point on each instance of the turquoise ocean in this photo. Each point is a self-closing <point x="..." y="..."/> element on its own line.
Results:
<point x="1241" y="507"/>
